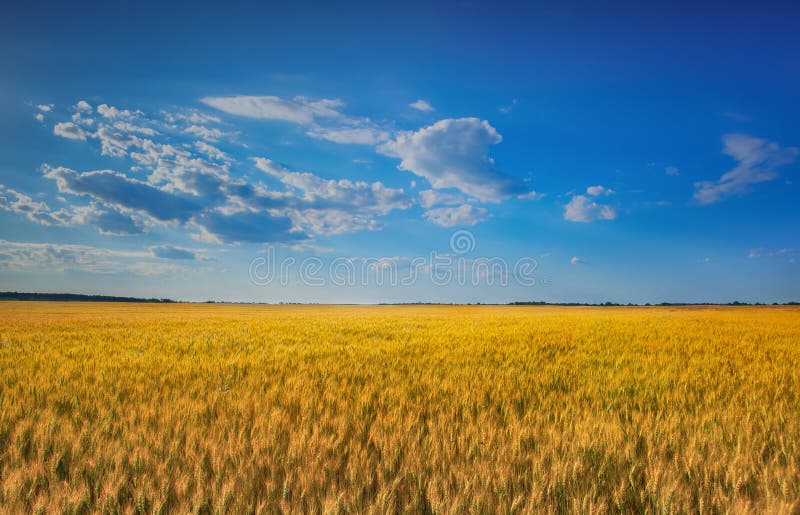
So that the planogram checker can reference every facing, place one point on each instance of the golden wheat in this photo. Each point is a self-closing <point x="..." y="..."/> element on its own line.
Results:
<point x="126" y="408"/>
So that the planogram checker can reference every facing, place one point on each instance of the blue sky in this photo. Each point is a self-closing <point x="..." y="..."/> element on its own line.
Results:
<point x="630" y="153"/>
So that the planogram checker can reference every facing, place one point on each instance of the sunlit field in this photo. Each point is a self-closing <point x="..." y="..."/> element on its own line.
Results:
<point x="134" y="408"/>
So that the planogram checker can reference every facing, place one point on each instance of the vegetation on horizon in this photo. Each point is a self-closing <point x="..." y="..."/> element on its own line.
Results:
<point x="238" y="409"/>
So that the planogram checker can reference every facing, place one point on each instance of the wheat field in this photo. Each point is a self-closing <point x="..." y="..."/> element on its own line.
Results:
<point x="134" y="408"/>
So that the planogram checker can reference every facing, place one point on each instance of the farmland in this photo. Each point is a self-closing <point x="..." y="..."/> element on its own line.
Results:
<point x="382" y="409"/>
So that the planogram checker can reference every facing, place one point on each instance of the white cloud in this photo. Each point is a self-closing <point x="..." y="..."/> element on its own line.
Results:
<point x="324" y="117"/>
<point x="45" y="108"/>
<point x="672" y="170"/>
<point x="106" y="219"/>
<point x="38" y="212"/>
<point x="597" y="191"/>
<point x="189" y="184"/>
<point x="421" y="105"/>
<point x="298" y="110"/>
<point x="112" y="112"/>
<point x="203" y="132"/>
<point x="454" y="153"/>
<point x="129" y="127"/>
<point x="334" y="221"/>
<point x="212" y="151"/>
<point x="531" y="195"/>
<point x="430" y="198"/>
<point x="39" y="117"/>
<point x="464" y="215"/>
<point x="78" y="118"/>
<point x="83" y="106"/>
<point x="319" y="193"/>
<point x="351" y="135"/>
<point x="115" y="143"/>
<point x="55" y="257"/>
<point x="758" y="160"/>
<point x="190" y="117"/>
<point x="69" y="130"/>
<point x="584" y="209"/>
<point x="576" y="260"/>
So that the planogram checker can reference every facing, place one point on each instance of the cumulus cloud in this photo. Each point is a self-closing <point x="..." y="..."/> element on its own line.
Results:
<point x="344" y="194"/>
<point x="69" y="130"/>
<point x="129" y="127"/>
<point x="583" y="209"/>
<point x="191" y="184"/>
<point x="464" y="215"/>
<point x="112" y="112"/>
<point x="422" y="105"/>
<point x="297" y="110"/>
<point x="454" y="153"/>
<point x="45" y="108"/>
<point x="83" y="106"/>
<point x="758" y="161"/>
<point x="115" y="143"/>
<point x="597" y="191"/>
<point x="189" y="117"/>
<point x="212" y="151"/>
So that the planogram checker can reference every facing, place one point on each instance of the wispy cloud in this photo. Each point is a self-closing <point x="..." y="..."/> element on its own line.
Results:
<point x="324" y="117"/>
<point x="758" y="161"/>
<point x="299" y="110"/>
<point x="60" y="257"/>
<point x="737" y="116"/>
<point x="506" y="109"/>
